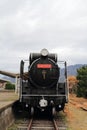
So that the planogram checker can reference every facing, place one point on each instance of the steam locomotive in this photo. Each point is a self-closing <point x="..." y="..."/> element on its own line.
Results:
<point x="40" y="86"/>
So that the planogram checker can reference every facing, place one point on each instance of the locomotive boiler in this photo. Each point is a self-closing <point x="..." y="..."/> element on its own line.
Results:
<point x="40" y="86"/>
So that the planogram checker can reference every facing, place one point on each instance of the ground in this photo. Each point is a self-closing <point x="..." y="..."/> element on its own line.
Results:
<point x="76" y="116"/>
<point x="7" y="97"/>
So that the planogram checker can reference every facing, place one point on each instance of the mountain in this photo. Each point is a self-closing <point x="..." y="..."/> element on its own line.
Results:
<point x="72" y="69"/>
<point x="12" y="80"/>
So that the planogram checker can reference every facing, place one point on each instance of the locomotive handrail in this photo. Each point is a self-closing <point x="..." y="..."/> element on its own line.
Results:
<point x="33" y="95"/>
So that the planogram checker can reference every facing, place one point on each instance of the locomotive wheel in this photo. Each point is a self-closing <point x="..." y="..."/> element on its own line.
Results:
<point x="32" y="111"/>
<point x="53" y="111"/>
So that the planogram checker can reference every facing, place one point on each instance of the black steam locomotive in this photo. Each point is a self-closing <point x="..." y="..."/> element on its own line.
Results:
<point x="40" y="86"/>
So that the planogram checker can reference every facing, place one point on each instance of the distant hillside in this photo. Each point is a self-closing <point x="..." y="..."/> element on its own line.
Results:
<point x="72" y="69"/>
<point x="9" y="79"/>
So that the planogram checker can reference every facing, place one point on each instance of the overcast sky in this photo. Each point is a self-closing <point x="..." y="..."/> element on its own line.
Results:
<point x="30" y="25"/>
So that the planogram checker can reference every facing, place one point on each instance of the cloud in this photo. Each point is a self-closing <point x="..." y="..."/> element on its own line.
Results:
<point x="71" y="55"/>
<point x="28" y="26"/>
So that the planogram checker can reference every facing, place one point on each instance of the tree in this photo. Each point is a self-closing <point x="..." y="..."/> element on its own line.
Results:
<point x="72" y="84"/>
<point x="10" y="86"/>
<point x="82" y="84"/>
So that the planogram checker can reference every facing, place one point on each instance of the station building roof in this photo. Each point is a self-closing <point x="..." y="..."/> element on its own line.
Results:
<point x="3" y="81"/>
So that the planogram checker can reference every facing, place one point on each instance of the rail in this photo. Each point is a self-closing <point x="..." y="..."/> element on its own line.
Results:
<point x="50" y="123"/>
<point x="30" y="124"/>
<point x="46" y="125"/>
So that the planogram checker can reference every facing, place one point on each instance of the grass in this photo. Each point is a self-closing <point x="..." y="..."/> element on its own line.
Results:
<point x="7" y="98"/>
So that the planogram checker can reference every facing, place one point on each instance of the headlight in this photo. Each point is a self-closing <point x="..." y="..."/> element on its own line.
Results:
<point x="44" y="52"/>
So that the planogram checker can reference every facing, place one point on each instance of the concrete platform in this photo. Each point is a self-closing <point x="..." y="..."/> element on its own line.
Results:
<point x="7" y="97"/>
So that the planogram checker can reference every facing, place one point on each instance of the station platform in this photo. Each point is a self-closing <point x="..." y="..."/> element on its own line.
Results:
<point x="7" y="97"/>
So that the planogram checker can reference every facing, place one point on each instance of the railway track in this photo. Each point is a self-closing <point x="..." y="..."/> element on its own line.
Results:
<point x="42" y="124"/>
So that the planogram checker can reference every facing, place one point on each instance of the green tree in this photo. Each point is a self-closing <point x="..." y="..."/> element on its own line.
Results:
<point x="82" y="84"/>
<point x="10" y="86"/>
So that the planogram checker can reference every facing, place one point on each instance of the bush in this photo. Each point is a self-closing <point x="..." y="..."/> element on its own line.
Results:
<point x="10" y="86"/>
<point x="82" y="84"/>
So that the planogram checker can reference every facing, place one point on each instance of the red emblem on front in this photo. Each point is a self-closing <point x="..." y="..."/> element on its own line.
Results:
<point x="46" y="66"/>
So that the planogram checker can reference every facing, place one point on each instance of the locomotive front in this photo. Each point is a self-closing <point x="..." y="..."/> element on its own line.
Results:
<point x="40" y="86"/>
<point x="43" y="70"/>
